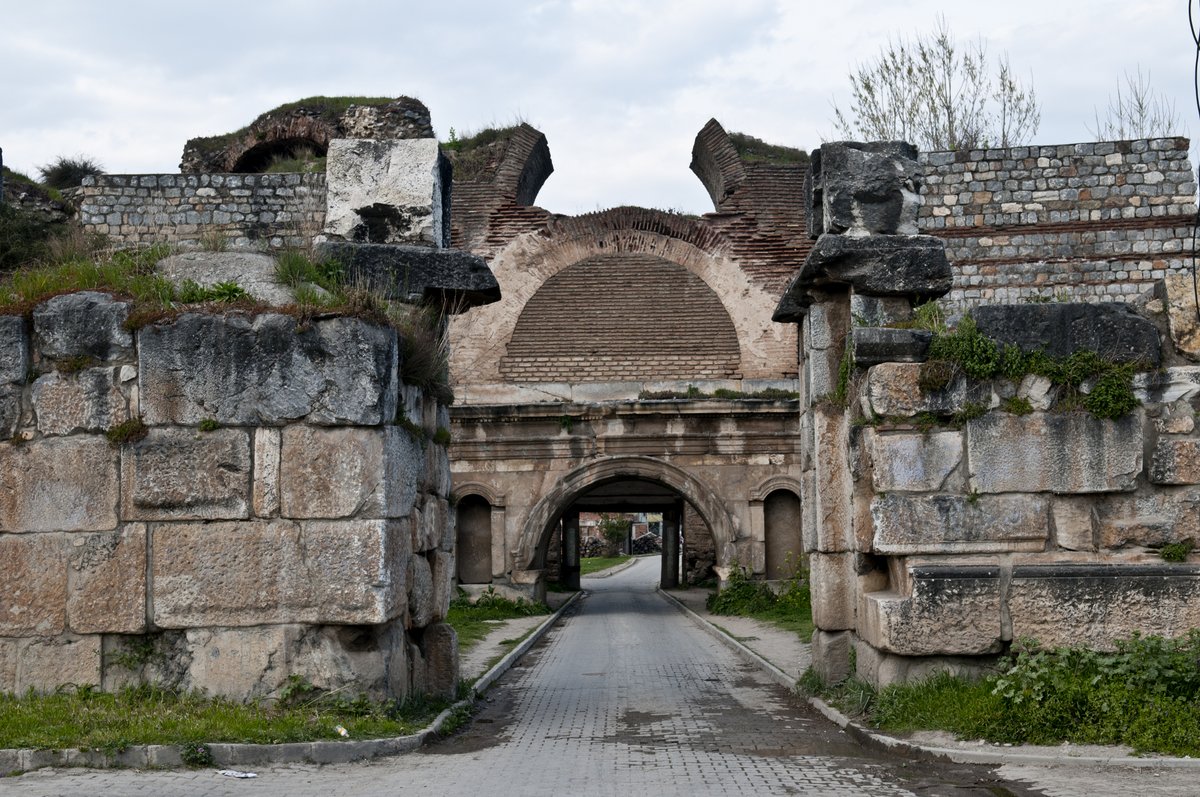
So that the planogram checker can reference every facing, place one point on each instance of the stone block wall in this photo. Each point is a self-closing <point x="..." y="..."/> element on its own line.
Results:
<point x="1096" y="221"/>
<point x="282" y="510"/>
<point x="266" y="211"/>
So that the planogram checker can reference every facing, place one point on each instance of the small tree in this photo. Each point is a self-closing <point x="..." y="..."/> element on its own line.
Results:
<point x="1137" y="111"/>
<point x="615" y="530"/>
<point x="932" y="93"/>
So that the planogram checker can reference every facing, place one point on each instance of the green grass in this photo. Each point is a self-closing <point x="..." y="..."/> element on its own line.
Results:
<point x="87" y="718"/>
<point x="594" y="564"/>
<point x="1144" y="695"/>
<point x="753" y="149"/>
<point x="326" y="108"/>
<point x="743" y="596"/>
<point x="470" y="620"/>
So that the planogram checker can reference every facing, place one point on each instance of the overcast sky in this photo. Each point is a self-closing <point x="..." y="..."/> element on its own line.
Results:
<point x="619" y="88"/>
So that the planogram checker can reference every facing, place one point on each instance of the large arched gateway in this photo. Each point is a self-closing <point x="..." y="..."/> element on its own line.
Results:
<point x="632" y="365"/>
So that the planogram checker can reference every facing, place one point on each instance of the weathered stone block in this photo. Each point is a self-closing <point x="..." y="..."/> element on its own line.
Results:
<point x="831" y="655"/>
<point x="912" y="524"/>
<point x="893" y="390"/>
<point x="107" y="582"/>
<point x="58" y="484"/>
<point x="1182" y="315"/>
<point x="1074" y="523"/>
<point x="882" y="669"/>
<point x="265" y="371"/>
<point x="877" y="265"/>
<point x="1113" y="330"/>
<point x="1095" y="605"/>
<point x="413" y="274"/>
<point x="953" y="610"/>
<point x="345" y="472"/>
<point x="182" y="474"/>
<point x="421" y="601"/>
<point x="10" y="409"/>
<point x="879" y="311"/>
<point x="833" y="482"/>
<point x="239" y="663"/>
<point x="33" y="584"/>
<point x="89" y="401"/>
<point x="443" y="572"/>
<point x="239" y="574"/>
<point x="1059" y="453"/>
<point x="916" y="462"/>
<point x="1167" y="515"/>
<point x="874" y="345"/>
<point x="43" y="664"/>
<point x="869" y="188"/>
<point x="1167" y="386"/>
<point x="1175" y="461"/>
<point x="833" y="603"/>
<point x="439" y="644"/>
<point x="266" y="472"/>
<point x="385" y="191"/>
<point x="85" y="324"/>
<point x="252" y="272"/>
<point x="14" y="350"/>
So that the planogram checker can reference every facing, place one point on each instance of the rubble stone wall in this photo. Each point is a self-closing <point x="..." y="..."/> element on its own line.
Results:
<point x="268" y="211"/>
<point x="1096" y="221"/>
<point x="282" y="509"/>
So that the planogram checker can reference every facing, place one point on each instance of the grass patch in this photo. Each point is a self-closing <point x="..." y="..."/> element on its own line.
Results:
<point x="477" y="155"/>
<point x="1144" y="695"/>
<point x="755" y="150"/>
<point x="470" y="620"/>
<point x="87" y="718"/>
<point x="329" y="109"/>
<point x="790" y="609"/>
<point x="594" y="564"/>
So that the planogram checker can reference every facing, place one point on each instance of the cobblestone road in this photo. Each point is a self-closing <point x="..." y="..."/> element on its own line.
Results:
<point x="626" y="697"/>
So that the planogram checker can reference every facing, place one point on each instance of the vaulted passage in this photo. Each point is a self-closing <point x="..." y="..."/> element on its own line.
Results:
<point x="622" y="317"/>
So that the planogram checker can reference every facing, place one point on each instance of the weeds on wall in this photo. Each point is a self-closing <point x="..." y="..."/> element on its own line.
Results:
<point x="967" y="351"/>
<point x="745" y="596"/>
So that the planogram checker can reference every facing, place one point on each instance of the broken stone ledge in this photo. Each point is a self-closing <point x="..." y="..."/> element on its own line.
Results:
<point x="227" y="754"/>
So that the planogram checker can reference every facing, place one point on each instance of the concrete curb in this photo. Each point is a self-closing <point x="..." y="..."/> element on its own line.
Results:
<point x="890" y="744"/>
<point x="167" y="756"/>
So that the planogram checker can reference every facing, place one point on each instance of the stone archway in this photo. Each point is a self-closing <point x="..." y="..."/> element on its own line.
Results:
<point x="546" y="513"/>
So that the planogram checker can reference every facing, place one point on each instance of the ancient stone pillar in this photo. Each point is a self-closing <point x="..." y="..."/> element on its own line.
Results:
<point x="569" y="569"/>
<point x="670" y="554"/>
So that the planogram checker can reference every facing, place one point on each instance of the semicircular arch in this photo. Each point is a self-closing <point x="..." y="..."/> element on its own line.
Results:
<point x="524" y="265"/>
<point x="542" y="518"/>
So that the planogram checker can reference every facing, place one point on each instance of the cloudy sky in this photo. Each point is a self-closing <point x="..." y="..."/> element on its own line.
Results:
<point x="619" y="88"/>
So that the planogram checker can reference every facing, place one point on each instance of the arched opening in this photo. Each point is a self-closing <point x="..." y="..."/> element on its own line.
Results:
<point x="624" y="484"/>
<point x="474" y="540"/>
<point x="781" y="527"/>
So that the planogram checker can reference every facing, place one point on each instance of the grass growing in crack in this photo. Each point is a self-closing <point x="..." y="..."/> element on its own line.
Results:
<point x="471" y="619"/>
<point x="85" y="717"/>
<point x="744" y="596"/>
<point x="127" y="433"/>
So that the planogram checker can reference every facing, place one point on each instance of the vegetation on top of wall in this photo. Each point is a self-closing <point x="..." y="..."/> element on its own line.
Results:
<point x="694" y="393"/>
<point x="966" y="350"/>
<point x="477" y="155"/>
<point x="1143" y="695"/>
<point x="328" y="109"/>
<point x="755" y="150"/>
<point x="68" y="172"/>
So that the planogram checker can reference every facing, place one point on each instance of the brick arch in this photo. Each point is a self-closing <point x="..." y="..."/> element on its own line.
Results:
<point x="621" y="317"/>
<point x="536" y="532"/>
<point x="481" y="337"/>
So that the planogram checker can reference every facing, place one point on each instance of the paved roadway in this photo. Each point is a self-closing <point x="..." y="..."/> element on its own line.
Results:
<point x="626" y="697"/>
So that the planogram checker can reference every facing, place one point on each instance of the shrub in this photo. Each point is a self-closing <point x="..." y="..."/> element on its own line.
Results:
<point x="64" y="172"/>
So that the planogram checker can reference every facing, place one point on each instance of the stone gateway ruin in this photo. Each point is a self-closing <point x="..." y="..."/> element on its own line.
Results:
<point x="776" y="377"/>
